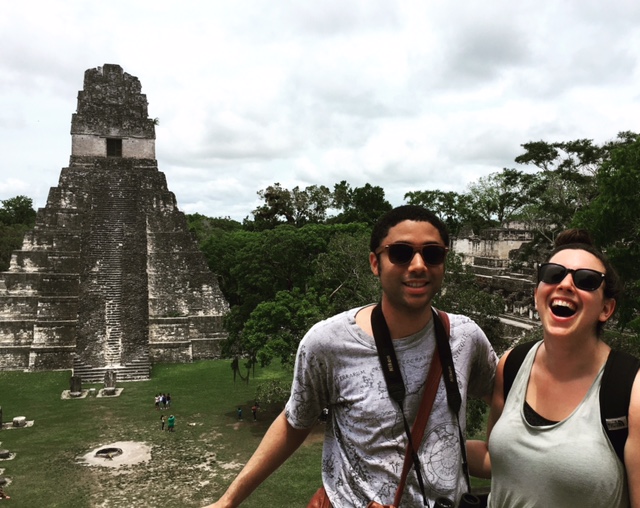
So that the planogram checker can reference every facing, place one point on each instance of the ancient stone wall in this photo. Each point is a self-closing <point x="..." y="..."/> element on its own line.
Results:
<point x="489" y="257"/>
<point x="492" y="248"/>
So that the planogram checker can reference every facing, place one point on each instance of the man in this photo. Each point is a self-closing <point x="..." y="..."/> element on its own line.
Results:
<point x="337" y="366"/>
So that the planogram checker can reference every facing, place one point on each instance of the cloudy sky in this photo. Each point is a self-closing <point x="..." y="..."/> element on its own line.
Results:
<point x="408" y="95"/>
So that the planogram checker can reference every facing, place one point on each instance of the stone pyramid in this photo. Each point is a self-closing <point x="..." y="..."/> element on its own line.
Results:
<point x="110" y="278"/>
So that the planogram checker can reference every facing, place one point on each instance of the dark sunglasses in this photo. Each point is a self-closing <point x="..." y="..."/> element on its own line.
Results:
<point x="403" y="253"/>
<point x="583" y="278"/>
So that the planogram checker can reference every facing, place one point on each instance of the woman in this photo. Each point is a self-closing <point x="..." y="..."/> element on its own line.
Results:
<point x="546" y="443"/>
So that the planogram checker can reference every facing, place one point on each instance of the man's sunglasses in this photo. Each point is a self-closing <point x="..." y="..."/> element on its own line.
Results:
<point x="583" y="278"/>
<point x="403" y="253"/>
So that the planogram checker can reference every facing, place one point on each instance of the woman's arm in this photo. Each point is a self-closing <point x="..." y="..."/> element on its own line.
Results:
<point x="632" y="447"/>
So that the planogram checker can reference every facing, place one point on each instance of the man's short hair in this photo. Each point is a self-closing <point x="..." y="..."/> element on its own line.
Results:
<point x="400" y="214"/>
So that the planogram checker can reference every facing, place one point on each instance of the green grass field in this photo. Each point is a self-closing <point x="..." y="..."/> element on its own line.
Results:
<point x="188" y="468"/>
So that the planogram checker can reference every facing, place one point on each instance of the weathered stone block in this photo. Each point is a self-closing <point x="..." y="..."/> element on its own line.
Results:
<point x="20" y="421"/>
<point x="75" y="386"/>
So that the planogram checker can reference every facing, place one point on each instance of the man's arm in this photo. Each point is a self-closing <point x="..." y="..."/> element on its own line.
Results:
<point x="478" y="451"/>
<point x="632" y="446"/>
<point x="277" y="445"/>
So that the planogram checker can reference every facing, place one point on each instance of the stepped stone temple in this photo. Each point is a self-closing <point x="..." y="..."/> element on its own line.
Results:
<point x="110" y="278"/>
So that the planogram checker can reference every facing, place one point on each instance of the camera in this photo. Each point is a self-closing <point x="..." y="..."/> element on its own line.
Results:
<point x="467" y="501"/>
<point x="470" y="501"/>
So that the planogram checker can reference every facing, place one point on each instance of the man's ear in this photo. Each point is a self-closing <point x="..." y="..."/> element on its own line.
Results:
<point x="374" y="264"/>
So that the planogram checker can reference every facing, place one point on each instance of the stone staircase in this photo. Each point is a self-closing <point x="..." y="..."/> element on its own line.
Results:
<point x="107" y="241"/>
<point x="138" y="370"/>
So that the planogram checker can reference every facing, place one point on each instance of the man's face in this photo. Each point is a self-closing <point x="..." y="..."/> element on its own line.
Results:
<point x="410" y="286"/>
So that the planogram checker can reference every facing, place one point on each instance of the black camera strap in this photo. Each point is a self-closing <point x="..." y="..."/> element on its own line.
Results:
<point x="387" y="356"/>
<point x="396" y="388"/>
<point x="395" y="383"/>
<point x="451" y="384"/>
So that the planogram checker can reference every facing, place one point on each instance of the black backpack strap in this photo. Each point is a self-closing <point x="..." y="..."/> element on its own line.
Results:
<point x="615" y="395"/>
<point x="512" y="365"/>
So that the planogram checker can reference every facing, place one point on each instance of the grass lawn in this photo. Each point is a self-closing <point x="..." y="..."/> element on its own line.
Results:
<point x="188" y="468"/>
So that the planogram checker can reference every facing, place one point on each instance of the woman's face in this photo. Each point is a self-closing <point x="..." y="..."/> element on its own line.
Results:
<point x="565" y="309"/>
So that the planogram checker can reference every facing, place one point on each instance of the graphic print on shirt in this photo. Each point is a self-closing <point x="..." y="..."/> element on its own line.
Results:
<point x="443" y="464"/>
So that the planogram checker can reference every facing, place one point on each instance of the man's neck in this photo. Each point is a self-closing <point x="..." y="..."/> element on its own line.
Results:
<point x="403" y="322"/>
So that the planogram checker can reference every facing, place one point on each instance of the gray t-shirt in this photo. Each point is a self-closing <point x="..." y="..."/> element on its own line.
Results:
<point x="564" y="465"/>
<point x="337" y="366"/>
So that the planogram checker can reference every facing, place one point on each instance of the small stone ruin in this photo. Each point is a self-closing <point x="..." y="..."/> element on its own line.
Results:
<point x="109" y="383"/>
<point x="20" y="421"/>
<point x="75" y="386"/>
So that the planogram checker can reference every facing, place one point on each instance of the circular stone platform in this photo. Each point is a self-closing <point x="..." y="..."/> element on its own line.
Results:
<point x="132" y="453"/>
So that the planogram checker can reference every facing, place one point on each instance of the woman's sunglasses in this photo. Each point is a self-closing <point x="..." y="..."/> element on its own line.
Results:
<point x="583" y="278"/>
<point x="403" y="253"/>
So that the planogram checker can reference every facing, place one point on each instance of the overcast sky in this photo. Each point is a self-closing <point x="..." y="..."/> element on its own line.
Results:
<point x="407" y="95"/>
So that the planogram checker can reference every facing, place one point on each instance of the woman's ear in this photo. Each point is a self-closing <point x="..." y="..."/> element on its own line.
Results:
<point x="608" y="306"/>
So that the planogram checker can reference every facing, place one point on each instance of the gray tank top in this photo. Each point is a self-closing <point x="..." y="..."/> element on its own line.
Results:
<point x="567" y="464"/>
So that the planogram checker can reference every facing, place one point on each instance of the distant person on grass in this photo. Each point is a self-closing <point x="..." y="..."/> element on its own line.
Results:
<point x="338" y="366"/>
<point x="3" y="494"/>
<point x="171" y="422"/>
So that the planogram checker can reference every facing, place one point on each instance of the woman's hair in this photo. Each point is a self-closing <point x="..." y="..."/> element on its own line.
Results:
<point x="580" y="239"/>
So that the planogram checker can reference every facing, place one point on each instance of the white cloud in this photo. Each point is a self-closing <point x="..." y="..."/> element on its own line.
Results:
<point x="407" y="95"/>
